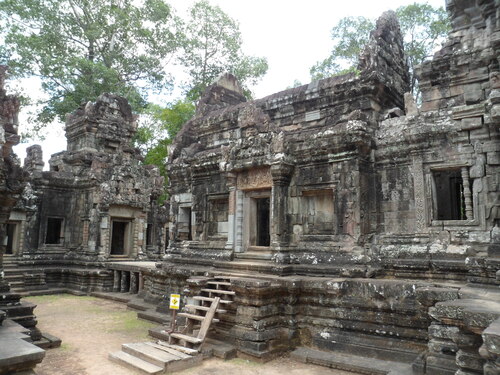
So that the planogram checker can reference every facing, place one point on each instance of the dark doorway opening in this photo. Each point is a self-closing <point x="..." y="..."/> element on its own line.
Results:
<point x="54" y="227"/>
<point x="149" y="235"/>
<point x="450" y="195"/>
<point x="119" y="237"/>
<point x="11" y="232"/>
<point x="263" y="219"/>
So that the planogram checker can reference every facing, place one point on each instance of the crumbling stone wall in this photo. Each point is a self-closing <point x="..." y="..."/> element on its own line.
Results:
<point x="97" y="181"/>
<point x="356" y="174"/>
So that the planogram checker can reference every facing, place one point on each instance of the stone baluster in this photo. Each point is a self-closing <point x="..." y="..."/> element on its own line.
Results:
<point x="467" y="194"/>
<point x="134" y="283"/>
<point x="117" y="281"/>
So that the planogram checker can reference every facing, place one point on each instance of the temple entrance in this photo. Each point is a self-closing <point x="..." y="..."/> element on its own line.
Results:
<point x="257" y="220"/>
<point x="11" y="238"/>
<point x="263" y="235"/>
<point x="120" y="237"/>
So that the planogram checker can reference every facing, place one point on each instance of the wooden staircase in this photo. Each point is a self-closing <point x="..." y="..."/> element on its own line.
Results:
<point x="183" y="349"/>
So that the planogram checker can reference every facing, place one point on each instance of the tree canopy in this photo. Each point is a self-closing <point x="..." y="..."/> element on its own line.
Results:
<point x="212" y="45"/>
<point x="423" y="27"/>
<point x="81" y="48"/>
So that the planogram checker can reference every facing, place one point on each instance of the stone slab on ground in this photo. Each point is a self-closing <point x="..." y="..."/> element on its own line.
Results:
<point x="219" y="349"/>
<point x="17" y="354"/>
<point x="154" y="316"/>
<point x="343" y="361"/>
<point x="118" y="297"/>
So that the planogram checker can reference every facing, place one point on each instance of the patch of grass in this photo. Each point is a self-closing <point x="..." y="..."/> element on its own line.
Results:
<point x="65" y="347"/>
<point x="127" y="322"/>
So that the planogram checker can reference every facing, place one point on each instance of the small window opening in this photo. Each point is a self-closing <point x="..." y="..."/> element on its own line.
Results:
<point x="185" y="224"/>
<point x="263" y="237"/>
<point x="11" y="233"/>
<point x="119" y="237"/>
<point x="54" y="231"/>
<point x="450" y="195"/>
<point x="149" y="235"/>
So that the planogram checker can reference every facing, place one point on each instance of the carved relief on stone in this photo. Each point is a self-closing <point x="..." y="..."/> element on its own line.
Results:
<point x="255" y="179"/>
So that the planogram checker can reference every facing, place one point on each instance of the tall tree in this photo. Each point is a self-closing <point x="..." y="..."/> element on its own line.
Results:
<point x="81" y="48"/>
<point x="212" y="46"/>
<point x="423" y="26"/>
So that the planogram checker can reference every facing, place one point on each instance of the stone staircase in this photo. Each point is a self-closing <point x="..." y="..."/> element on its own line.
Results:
<point x="178" y="350"/>
<point x="21" y="278"/>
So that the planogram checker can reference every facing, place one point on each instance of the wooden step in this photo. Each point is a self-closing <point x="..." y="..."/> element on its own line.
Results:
<point x="149" y="354"/>
<point x="134" y="363"/>
<point x="196" y="317"/>
<point x="224" y="283"/>
<point x="219" y="291"/>
<point x="165" y="345"/>
<point x="173" y="351"/>
<point x="204" y="308"/>
<point x="191" y="339"/>
<point x="210" y="299"/>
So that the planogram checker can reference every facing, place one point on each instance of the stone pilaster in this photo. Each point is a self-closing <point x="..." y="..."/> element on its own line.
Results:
<point x="281" y="174"/>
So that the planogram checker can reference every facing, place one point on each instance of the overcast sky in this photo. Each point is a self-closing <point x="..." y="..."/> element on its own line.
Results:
<point x="292" y="34"/>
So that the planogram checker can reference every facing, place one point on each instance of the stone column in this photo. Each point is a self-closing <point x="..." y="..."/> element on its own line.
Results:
<point x="238" y="223"/>
<point x="281" y="174"/>
<point x="125" y="286"/>
<point x="134" y="282"/>
<point x="141" y="282"/>
<point x="117" y="276"/>
<point x="231" y="184"/>
<point x="467" y="194"/>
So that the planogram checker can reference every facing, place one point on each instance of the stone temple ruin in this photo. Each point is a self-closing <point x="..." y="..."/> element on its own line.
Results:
<point x="355" y="228"/>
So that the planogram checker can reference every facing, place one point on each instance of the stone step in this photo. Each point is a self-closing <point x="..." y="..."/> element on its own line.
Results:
<point x="210" y="299"/>
<point x="205" y="308"/>
<point x="257" y="255"/>
<point x="139" y="305"/>
<point x="17" y="355"/>
<point x="219" y="291"/>
<point x="219" y="349"/>
<point x="3" y="314"/>
<point x="23" y="308"/>
<point x="154" y="316"/>
<point x="196" y="317"/>
<point x="118" y="297"/>
<point x="367" y="345"/>
<point x="159" y="332"/>
<point x="134" y="363"/>
<point x="349" y="362"/>
<point x="219" y="283"/>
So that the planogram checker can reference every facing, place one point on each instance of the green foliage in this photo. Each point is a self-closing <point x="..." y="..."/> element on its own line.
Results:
<point x="158" y="128"/>
<point x="211" y="46"/>
<point x="82" y="48"/>
<point x="423" y="28"/>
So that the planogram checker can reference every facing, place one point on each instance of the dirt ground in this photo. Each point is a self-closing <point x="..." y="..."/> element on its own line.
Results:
<point x="90" y="328"/>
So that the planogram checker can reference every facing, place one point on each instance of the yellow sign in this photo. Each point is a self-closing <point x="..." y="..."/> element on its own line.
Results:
<point x="175" y="301"/>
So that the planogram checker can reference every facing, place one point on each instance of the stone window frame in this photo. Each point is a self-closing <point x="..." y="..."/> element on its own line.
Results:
<point x="61" y="231"/>
<point x="431" y="206"/>
<point x="209" y="198"/>
<point x="184" y="206"/>
<point x="308" y="192"/>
